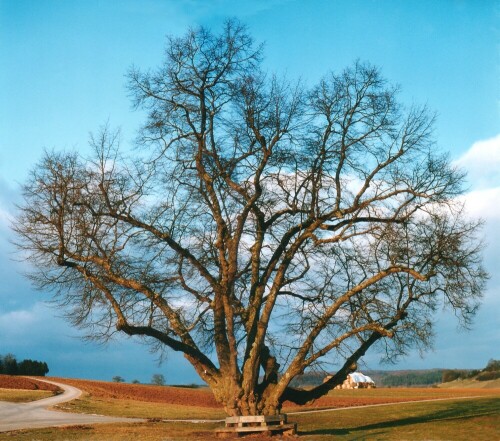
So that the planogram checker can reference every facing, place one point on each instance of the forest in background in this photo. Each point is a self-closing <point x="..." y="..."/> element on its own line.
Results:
<point x="10" y="366"/>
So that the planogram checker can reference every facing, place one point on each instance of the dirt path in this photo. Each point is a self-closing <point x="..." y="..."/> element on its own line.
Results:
<point x="15" y="416"/>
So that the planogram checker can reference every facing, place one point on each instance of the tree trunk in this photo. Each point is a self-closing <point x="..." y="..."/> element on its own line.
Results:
<point x="236" y="403"/>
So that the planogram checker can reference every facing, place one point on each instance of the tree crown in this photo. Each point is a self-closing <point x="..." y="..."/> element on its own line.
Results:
<point x="261" y="227"/>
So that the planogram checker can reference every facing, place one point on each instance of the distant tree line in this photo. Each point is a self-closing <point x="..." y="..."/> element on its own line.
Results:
<point x="156" y="379"/>
<point x="490" y="372"/>
<point x="458" y="374"/>
<point x="412" y="378"/>
<point x="381" y="378"/>
<point x="492" y="366"/>
<point x="423" y="378"/>
<point x="10" y="366"/>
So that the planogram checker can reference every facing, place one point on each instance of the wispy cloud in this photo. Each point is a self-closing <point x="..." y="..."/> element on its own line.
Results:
<point x="9" y="196"/>
<point x="26" y="323"/>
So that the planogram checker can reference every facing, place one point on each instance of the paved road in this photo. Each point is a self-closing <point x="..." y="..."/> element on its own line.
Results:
<point x="15" y="416"/>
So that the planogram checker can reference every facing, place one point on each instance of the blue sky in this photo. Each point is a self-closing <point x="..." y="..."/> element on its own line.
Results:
<point x="62" y="76"/>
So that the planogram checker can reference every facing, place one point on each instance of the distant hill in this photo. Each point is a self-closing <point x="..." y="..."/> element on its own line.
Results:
<point x="408" y="378"/>
<point x="471" y="384"/>
<point x="396" y="378"/>
<point x="419" y="377"/>
<point x="487" y="377"/>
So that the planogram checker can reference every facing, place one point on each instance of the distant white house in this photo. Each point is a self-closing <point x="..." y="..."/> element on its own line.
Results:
<point x="359" y="380"/>
<point x="355" y="380"/>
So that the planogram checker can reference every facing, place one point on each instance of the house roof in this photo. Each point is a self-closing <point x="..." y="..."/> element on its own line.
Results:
<point x="358" y="377"/>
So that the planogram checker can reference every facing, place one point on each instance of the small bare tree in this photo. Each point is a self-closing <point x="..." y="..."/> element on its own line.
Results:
<point x="158" y="380"/>
<point x="261" y="228"/>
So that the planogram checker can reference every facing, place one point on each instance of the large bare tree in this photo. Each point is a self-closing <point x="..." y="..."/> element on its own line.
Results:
<point x="261" y="227"/>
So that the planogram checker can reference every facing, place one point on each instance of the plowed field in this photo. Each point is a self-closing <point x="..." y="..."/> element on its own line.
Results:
<point x="141" y="392"/>
<point x="204" y="398"/>
<point x="15" y="382"/>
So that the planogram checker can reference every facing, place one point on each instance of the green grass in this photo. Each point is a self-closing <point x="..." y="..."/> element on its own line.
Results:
<point x="23" y="396"/>
<point x="456" y="420"/>
<point x="470" y="419"/>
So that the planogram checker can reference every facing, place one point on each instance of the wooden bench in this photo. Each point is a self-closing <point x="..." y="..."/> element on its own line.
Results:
<point x="265" y="424"/>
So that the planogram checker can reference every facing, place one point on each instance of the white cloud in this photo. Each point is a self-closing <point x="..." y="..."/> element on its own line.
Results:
<point x="482" y="162"/>
<point x="484" y="203"/>
<point x="7" y="199"/>
<point x="5" y="219"/>
<point x="21" y="318"/>
<point x="28" y="323"/>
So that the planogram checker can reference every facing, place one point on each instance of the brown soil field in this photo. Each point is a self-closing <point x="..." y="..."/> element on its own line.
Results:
<point x="203" y="397"/>
<point x="141" y="392"/>
<point x="15" y="382"/>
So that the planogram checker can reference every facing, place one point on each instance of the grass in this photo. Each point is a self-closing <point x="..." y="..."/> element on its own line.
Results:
<point x="470" y="419"/>
<point x="92" y="404"/>
<point x="117" y="432"/>
<point x="457" y="420"/>
<point x="23" y="396"/>
<point x="138" y="409"/>
<point x="354" y="397"/>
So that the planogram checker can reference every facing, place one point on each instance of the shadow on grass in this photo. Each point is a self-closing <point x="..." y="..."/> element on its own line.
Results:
<point x="455" y="411"/>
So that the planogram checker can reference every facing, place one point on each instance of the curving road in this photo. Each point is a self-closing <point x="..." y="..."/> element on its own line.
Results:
<point x="15" y="416"/>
